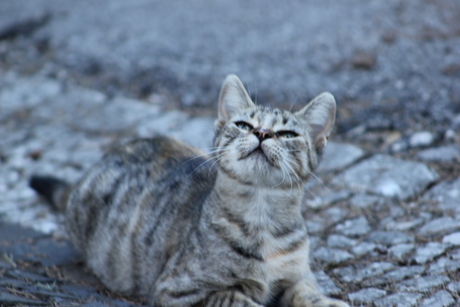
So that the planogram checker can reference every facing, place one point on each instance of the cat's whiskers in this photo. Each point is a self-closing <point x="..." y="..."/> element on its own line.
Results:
<point x="207" y="153"/>
<point x="206" y="161"/>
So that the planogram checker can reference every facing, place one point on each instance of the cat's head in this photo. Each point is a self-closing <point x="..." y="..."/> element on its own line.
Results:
<point x="267" y="146"/>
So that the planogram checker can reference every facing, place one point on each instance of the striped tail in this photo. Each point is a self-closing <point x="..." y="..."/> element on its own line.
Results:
<point x="54" y="190"/>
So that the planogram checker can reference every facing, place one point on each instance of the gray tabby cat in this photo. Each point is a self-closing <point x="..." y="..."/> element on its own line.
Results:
<point x="153" y="218"/>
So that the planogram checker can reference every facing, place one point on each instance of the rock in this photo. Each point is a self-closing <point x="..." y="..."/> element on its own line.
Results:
<point x="441" y="298"/>
<point x="365" y="200"/>
<point x="453" y="238"/>
<point x="421" y="139"/>
<point x="440" y="154"/>
<point x="405" y="225"/>
<point x="197" y="132"/>
<point x="325" y="283"/>
<point x="363" y="248"/>
<point x="440" y="225"/>
<point x="340" y="241"/>
<point x="429" y="251"/>
<point x="399" y="251"/>
<point x="13" y="300"/>
<point x="366" y="296"/>
<point x="423" y="284"/>
<point x="364" y="60"/>
<point x="164" y="124"/>
<point x="390" y="237"/>
<point x="447" y="194"/>
<point x="337" y="156"/>
<point x="444" y="264"/>
<point x="355" y="227"/>
<point x="387" y="176"/>
<point x="395" y="275"/>
<point x="331" y="255"/>
<point x="399" y="300"/>
<point x="454" y="287"/>
<point x="327" y="198"/>
<point x="356" y="275"/>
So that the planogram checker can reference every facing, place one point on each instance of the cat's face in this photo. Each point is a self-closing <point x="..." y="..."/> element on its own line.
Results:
<point x="267" y="146"/>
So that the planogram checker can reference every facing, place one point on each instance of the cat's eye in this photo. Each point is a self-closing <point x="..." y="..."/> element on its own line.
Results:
<point x="244" y="125"/>
<point x="286" y="134"/>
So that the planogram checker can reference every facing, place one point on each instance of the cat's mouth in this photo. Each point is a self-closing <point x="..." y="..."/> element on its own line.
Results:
<point x="258" y="154"/>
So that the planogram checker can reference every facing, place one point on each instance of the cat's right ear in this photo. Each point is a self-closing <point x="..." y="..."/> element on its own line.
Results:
<point x="233" y="98"/>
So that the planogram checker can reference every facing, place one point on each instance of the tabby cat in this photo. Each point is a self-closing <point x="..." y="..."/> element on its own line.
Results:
<point x="158" y="218"/>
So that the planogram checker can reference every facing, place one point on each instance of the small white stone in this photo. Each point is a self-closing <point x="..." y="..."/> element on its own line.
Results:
<point x="421" y="139"/>
<point x="453" y="238"/>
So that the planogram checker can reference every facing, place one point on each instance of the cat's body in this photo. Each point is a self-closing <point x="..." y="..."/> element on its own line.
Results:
<point x="154" y="218"/>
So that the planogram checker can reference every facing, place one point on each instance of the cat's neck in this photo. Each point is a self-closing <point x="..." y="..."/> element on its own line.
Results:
<point x="261" y="206"/>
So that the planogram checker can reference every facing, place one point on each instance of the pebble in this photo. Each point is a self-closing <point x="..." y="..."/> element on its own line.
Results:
<point x="363" y="200"/>
<point x="387" y="176"/>
<point x="402" y="299"/>
<point x="366" y="296"/>
<point x="440" y="154"/>
<point x="399" y="251"/>
<point x="355" y="227"/>
<point x="423" y="284"/>
<point x="440" y="225"/>
<point x="331" y="255"/>
<point x="429" y="251"/>
<point x="338" y="156"/>
<point x="447" y="194"/>
<point x="340" y="241"/>
<point x="325" y="283"/>
<point x="390" y="237"/>
<point x="442" y="298"/>
<point x="453" y="238"/>
<point x="395" y="275"/>
<point x="421" y="139"/>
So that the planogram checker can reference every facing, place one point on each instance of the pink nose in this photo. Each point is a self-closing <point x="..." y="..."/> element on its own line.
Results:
<point x="262" y="134"/>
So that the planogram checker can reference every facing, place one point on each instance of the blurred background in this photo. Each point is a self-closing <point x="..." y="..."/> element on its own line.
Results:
<point x="392" y="65"/>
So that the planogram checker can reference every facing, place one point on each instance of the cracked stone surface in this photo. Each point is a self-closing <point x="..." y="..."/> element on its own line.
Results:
<point x="384" y="224"/>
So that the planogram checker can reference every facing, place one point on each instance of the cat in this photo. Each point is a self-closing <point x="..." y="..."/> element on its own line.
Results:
<point x="158" y="218"/>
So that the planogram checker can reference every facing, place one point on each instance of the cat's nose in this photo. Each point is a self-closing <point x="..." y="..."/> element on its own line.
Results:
<point x="262" y="134"/>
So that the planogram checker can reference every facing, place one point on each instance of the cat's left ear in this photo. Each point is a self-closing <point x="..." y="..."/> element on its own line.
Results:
<point x="233" y="98"/>
<point x="319" y="115"/>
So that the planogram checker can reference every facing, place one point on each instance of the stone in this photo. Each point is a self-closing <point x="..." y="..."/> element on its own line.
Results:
<point x="12" y="300"/>
<point x="197" y="132"/>
<point x="440" y="154"/>
<point x="423" y="284"/>
<point x="390" y="237"/>
<point x="440" y="225"/>
<point x="402" y="299"/>
<point x="335" y="214"/>
<point x="161" y="125"/>
<point x="366" y="296"/>
<point x="331" y="255"/>
<point x="453" y="238"/>
<point x="429" y="251"/>
<point x="387" y="176"/>
<point x="325" y="283"/>
<point x="355" y="275"/>
<point x="355" y="227"/>
<point x="363" y="200"/>
<point x="421" y="139"/>
<point x="454" y="287"/>
<point x="442" y="298"/>
<point x="340" y="241"/>
<point x="363" y="248"/>
<point x="447" y="194"/>
<point x="395" y="275"/>
<point x="327" y="198"/>
<point x="444" y="264"/>
<point x="338" y="156"/>
<point x="399" y="251"/>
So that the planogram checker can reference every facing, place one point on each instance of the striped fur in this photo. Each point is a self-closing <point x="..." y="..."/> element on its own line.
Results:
<point x="158" y="218"/>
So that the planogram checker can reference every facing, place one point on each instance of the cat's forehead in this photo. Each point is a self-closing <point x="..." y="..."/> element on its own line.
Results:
<point x="271" y="116"/>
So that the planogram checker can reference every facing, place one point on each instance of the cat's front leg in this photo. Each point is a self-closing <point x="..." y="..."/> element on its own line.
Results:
<point x="305" y="293"/>
<point x="228" y="299"/>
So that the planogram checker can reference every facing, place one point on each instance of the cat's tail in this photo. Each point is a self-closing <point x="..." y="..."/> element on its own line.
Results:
<point x="54" y="190"/>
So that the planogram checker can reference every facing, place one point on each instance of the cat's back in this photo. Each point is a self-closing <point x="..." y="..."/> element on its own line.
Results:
<point x="129" y="213"/>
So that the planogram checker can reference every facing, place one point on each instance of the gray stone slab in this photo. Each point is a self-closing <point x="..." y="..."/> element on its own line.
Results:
<point x="338" y="156"/>
<point x="163" y="124"/>
<point x="354" y="227"/>
<point x="453" y="238"/>
<point x="9" y="299"/>
<point x="441" y="298"/>
<point x="454" y="287"/>
<point x="390" y="237"/>
<point x="327" y="198"/>
<point x="423" y="284"/>
<point x="447" y="194"/>
<point x="395" y="275"/>
<point x="364" y="248"/>
<point x="440" y="225"/>
<point x="197" y="132"/>
<point x="450" y="153"/>
<point x="399" y="251"/>
<point x="429" y="251"/>
<point x="355" y="275"/>
<point x="326" y="284"/>
<point x="399" y="300"/>
<point x="331" y="255"/>
<point x="362" y="200"/>
<point x="387" y="176"/>
<point x="340" y="241"/>
<point x="366" y="296"/>
<point x="444" y="264"/>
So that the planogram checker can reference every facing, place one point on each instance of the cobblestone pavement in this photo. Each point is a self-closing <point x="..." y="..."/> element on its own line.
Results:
<point x="385" y="231"/>
<point x="78" y="77"/>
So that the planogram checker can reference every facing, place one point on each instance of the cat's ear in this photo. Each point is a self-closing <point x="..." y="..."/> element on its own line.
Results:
<point x="319" y="114"/>
<point x="233" y="98"/>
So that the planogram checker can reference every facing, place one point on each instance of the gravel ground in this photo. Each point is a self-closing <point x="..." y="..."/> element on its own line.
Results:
<point x="78" y="77"/>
